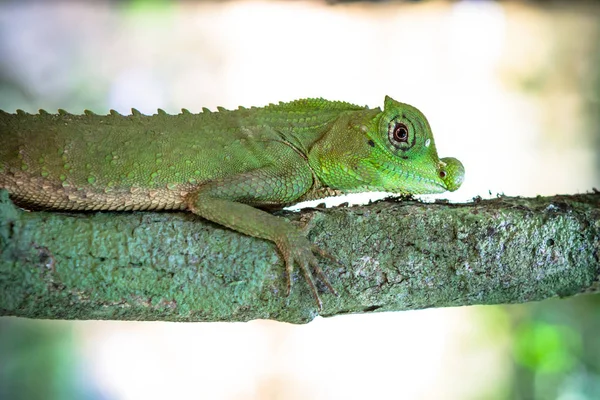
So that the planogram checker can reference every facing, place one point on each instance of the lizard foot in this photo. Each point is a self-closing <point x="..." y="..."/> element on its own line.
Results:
<point x="297" y="249"/>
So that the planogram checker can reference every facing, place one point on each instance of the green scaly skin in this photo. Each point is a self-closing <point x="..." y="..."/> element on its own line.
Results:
<point x="223" y="166"/>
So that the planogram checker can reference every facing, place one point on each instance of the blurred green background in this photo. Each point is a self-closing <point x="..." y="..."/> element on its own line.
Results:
<point x="510" y="88"/>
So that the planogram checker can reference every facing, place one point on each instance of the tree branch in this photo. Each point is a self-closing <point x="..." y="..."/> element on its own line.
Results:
<point x="395" y="256"/>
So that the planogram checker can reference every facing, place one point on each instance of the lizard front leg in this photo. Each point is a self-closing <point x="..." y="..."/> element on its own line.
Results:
<point x="228" y="202"/>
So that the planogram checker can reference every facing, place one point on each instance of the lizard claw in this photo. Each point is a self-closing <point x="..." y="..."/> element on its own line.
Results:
<point x="319" y="271"/>
<point x="311" y="283"/>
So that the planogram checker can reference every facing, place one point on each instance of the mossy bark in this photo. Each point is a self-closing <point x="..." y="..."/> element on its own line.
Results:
<point x="394" y="256"/>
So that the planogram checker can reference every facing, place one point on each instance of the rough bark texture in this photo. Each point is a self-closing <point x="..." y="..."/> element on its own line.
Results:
<point x="395" y="255"/>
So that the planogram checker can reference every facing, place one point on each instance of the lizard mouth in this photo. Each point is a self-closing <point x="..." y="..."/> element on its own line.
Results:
<point x="407" y="180"/>
<point x="391" y="177"/>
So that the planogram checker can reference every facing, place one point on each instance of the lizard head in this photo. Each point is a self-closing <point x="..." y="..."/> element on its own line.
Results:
<point x="403" y="157"/>
<point x="391" y="150"/>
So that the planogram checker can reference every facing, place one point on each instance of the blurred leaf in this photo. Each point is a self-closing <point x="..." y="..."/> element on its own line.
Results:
<point x="39" y="362"/>
<point x="547" y="348"/>
<point x="157" y="7"/>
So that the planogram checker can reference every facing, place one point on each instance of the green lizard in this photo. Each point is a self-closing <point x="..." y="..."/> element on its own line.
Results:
<point x="223" y="166"/>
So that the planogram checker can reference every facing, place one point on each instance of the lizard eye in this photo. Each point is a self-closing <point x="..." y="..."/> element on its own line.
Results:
<point x="400" y="133"/>
<point x="400" y="136"/>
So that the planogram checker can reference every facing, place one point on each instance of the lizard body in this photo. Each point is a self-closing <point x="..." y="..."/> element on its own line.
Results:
<point x="225" y="165"/>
